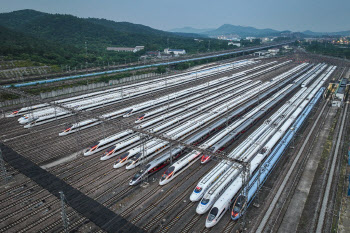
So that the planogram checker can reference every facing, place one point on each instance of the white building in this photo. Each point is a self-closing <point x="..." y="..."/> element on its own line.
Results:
<point x="138" y="48"/>
<point x="265" y="40"/>
<point x="273" y="51"/>
<point x="250" y="38"/>
<point x="260" y="53"/>
<point x="174" y="51"/>
<point x="125" y="49"/>
<point x="234" y="43"/>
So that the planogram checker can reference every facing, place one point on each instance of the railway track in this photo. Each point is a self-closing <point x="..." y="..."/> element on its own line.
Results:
<point x="171" y="205"/>
<point x="299" y="170"/>
<point x="283" y="183"/>
<point x="325" y="201"/>
<point x="136" y="219"/>
<point x="90" y="165"/>
<point x="188" y="227"/>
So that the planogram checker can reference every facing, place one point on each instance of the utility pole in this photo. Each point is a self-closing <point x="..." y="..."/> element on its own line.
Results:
<point x="63" y="212"/>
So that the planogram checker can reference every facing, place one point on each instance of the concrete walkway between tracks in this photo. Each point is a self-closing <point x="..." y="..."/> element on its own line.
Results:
<point x="100" y="215"/>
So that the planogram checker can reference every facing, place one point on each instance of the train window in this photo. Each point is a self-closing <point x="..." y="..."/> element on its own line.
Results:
<point x="236" y="209"/>
<point x="212" y="214"/>
<point x="204" y="201"/>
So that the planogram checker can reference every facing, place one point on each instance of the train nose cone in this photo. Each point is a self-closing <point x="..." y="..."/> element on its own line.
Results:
<point x="194" y="197"/>
<point x="209" y="224"/>
<point x="205" y="159"/>
<point x="235" y="216"/>
<point x="201" y="209"/>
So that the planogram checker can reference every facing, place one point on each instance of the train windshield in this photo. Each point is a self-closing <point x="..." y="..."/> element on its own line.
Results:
<point x="137" y="156"/>
<point x="140" y="173"/>
<point x="236" y="209"/>
<point x="123" y="157"/>
<point x="212" y="214"/>
<point x="204" y="201"/>
<point x="137" y="175"/>
<point x="168" y="172"/>
<point x="239" y="203"/>
<point x="94" y="146"/>
<point x="141" y="117"/>
<point x="111" y="149"/>
<point x="67" y="129"/>
<point x="197" y="189"/>
<point x="128" y="112"/>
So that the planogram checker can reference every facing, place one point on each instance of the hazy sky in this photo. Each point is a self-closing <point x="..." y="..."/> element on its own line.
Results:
<point x="295" y="15"/>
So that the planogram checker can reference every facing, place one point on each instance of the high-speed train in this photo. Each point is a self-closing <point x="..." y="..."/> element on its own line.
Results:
<point x="231" y="132"/>
<point x="208" y="180"/>
<point x="223" y="202"/>
<point x="123" y="159"/>
<point x="79" y="126"/>
<point x="157" y="164"/>
<point x="238" y="207"/>
<point x="267" y="143"/>
<point x="113" y="151"/>
<point x="179" y="167"/>
<point x="242" y="202"/>
<point x="149" y="154"/>
<point x="218" y="188"/>
<point x="188" y="160"/>
<point x="92" y="101"/>
<point x="105" y="143"/>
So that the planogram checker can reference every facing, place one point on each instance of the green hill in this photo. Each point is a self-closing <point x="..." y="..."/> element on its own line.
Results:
<point x="64" y="36"/>
<point x="16" y="45"/>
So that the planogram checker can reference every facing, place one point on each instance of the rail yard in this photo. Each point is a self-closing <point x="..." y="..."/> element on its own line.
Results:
<point x="251" y="144"/>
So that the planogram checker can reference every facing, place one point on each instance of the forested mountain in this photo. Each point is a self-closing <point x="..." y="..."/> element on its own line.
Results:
<point x="243" y="31"/>
<point x="191" y="30"/>
<point x="16" y="45"/>
<point x="61" y="31"/>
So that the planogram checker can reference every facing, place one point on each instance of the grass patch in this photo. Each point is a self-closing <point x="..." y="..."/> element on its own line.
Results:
<point x="6" y="96"/>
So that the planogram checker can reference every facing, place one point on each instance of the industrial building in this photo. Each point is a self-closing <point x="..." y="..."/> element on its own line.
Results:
<point x="175" y="51"/>
<point x="126" y="49"/>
